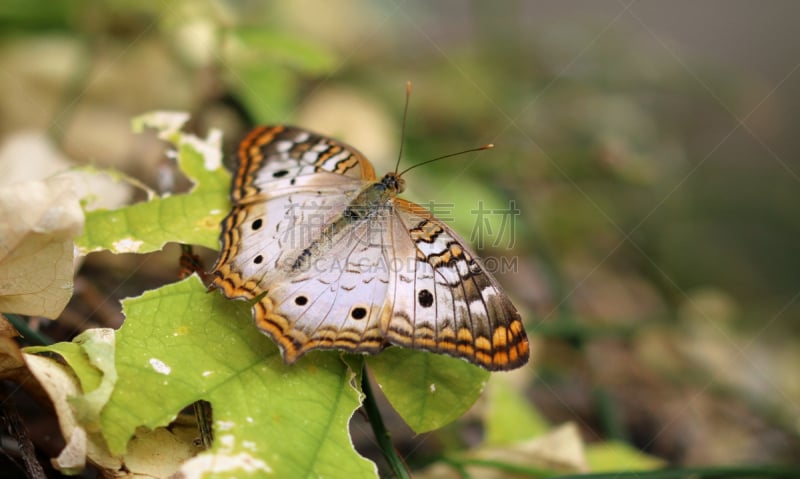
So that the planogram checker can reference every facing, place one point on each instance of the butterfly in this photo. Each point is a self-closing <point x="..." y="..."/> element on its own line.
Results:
<point x="335" y="260"/>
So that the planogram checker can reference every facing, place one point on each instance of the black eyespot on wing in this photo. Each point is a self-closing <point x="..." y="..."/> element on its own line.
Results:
<point x="358" y="313"/>
<point x="301" y="300"/>
<point x="425" y="298"/>
<point x="280" y="173"/>
<point x="257" y="224"/>
<point x="258" y="259"/>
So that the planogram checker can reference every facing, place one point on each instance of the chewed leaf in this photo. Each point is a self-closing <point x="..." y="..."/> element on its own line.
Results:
<point x="38" y="221"/>
<point x="157" y="453"/>
<point x="191" y="218"/>
<point x="180" y="344"/>
<point x="167" y="123"/>
<point x="427" y="390"/>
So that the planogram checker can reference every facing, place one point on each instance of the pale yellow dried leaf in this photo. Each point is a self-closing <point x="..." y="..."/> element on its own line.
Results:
<point x="224" y="463"/>
<point x="60" y="384"/>
<point x="28" y="156"/>
<point x="561" y="449"/>
<point x="72" y="458"/>
<point x="11" y="364"/>
<point x="38" y="221"/>
<point x="42" y="159"/>
<point x="160" y="453"/>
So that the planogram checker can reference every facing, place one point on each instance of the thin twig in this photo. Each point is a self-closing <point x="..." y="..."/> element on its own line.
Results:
<point x="17" y="429"/>
<point x="203" y="414"/>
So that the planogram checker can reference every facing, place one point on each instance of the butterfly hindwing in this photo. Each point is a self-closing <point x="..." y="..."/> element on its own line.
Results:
<point x="335" y="302"/>
<point x="444" y="300"/>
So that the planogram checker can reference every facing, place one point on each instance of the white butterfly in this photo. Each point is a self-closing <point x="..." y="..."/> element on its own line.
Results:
<point x="343" y="263"/>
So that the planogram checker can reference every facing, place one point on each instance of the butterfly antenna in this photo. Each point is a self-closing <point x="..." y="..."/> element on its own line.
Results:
<point x="403" y="127"/>
<point x="487" y="146"/>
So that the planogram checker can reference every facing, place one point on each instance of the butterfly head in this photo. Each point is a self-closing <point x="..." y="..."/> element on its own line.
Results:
<point x="393" y="183"/>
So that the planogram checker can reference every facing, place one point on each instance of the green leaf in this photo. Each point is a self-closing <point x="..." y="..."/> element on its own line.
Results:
<point x="77" y="359"/>
<point x="265" y="69"/>
<point x="266" y="90"/>
<point x="180" y="344"/>
<point x="616" y="456"/>
<point x="98" y="344"/>
<point x="272" y="47"/>
<point x="191" y="218"/>
<point x="510" y="418"/>
<point x="428" y="390"/>
<point x="91" y="357"/>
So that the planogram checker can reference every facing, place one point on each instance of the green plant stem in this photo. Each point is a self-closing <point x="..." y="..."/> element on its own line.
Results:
<point x="21" y="325"/>
<point x="381" y="434"/>
<point x="608" y="415"/>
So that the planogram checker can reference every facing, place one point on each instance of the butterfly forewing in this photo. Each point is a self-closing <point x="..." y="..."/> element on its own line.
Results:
<point x="337" y="269"/>
<point x="271" y="157"/>
<point x="287" y="183"/>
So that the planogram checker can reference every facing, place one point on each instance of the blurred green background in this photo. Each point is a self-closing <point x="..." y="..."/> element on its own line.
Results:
<point x="648" y="147"/>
